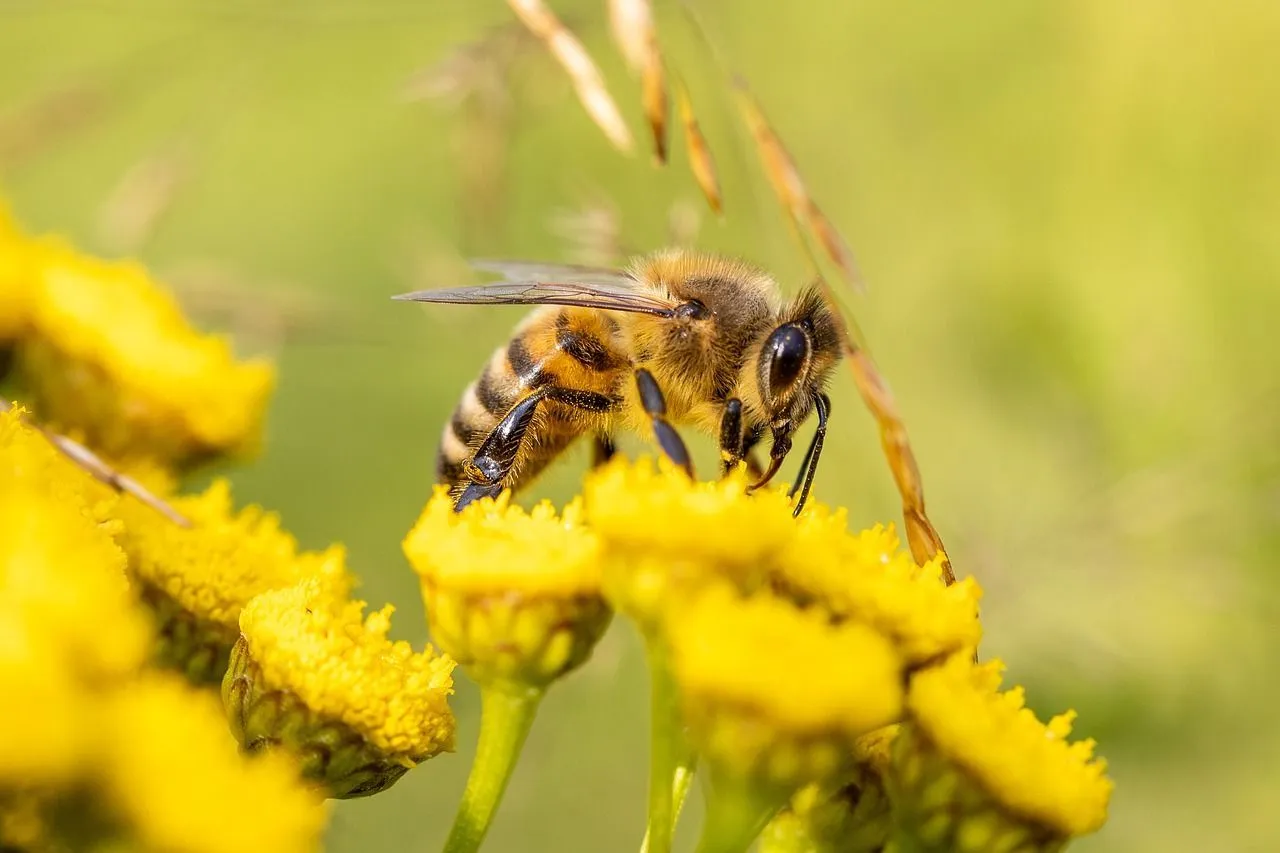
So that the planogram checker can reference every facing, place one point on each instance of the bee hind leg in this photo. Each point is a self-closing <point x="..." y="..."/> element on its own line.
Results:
<point x="655" y="406"/>
<point x="494" y="458"/>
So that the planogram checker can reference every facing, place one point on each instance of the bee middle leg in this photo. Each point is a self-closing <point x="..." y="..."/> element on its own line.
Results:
<point x="496" y="455"/>
<point x="655" y="406"/>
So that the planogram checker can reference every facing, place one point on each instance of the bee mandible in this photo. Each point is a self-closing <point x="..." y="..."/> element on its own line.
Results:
<point x="680" y="338"/>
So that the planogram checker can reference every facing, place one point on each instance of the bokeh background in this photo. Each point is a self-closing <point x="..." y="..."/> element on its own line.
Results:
<point x="1068" y="215"/>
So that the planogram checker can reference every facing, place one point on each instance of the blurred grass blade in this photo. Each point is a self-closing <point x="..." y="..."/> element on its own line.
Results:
<point x="632" y="24"/>
<point x="701" y="161"/>
<point x="653" y="87"/>
<point x="577" y="63"/>
<point x="789" y="186"/>
<point x="134" y="208"/>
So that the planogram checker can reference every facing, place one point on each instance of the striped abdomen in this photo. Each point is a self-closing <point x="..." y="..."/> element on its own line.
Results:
<point x="573" y="353"/>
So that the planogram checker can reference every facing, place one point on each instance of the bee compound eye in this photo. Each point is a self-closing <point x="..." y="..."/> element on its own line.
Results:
<point x="693" y="309"/>
<point x="788" y="352"/>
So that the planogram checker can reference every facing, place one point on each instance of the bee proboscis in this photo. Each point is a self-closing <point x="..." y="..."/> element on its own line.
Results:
<point x="680" y="338"/>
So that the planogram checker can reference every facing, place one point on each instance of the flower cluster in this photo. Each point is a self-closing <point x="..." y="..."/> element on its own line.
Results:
<point x="824" y="683"/>
<point x="106" y="603"/>
<point x="96" y="745"/>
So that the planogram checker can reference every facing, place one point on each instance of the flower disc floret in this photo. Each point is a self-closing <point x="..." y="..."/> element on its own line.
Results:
<point x="320" y="646"/>
<point x="1024" y="764"/>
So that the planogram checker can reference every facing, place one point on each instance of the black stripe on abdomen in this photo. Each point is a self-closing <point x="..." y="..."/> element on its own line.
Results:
<point x="583" y="347"/>
<point x="529" y="372"/>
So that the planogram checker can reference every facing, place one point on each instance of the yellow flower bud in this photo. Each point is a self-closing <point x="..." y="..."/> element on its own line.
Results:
<point x="112" y="357"/>
<point x="197" y="580"/>
<point x="513" y="596"/>
<point x="312" y="674"/>
<point x="975" y="771"/>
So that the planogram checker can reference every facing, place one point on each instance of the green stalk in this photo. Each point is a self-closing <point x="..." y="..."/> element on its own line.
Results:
<point x="506" y="715"/>
<point x="670" y="761"/>
<point x="737" y="812"/>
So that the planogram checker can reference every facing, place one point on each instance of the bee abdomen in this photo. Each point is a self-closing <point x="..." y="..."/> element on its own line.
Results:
<point x="482" y="406"/>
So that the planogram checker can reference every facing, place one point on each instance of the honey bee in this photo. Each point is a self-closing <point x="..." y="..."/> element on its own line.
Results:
<point x="679" y="338"/>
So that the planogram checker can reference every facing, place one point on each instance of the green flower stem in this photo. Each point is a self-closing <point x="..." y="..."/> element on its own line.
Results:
<point x="506" y="715"/>
<point x="737" y="812"/>
<point x="670" y="760"/>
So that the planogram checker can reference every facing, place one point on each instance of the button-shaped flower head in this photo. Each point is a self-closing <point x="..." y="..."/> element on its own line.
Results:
<point x="975" y="770"/>
<point x="110" y="356"/>
<point x="513" y="596"/>
<point x="197" y="579"/>
<point x="311" y="673"/>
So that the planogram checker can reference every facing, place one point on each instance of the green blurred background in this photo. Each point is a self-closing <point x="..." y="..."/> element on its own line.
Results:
<point x="1068" y="214"/>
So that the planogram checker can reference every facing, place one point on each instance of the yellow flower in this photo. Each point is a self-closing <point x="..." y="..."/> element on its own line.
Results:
<point x="311" y="671"/>
<point x="45" y="738"/>
<point x="975" y="766"/>
<point x="113" y="358"/>
<point x="175" y="779"/>
<point x="197" y="580"/>
<point x="666" y="534"/>
<point x="868" y="577"/>
<point x="17" y="286"/>
<point x="511" y="595"/>
<point x="775" y="692"/>
<point x="62" y="581"/>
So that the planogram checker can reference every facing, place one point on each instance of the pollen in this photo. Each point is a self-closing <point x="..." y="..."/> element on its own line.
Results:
<point x="310" y="640"/>
<point x="1029" y="767"/>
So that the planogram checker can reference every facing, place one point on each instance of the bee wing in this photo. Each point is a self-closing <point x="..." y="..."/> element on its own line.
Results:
<point x="534" y="271"/>
<point x="607" y="295"/>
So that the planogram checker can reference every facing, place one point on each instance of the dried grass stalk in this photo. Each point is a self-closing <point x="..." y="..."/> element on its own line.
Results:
<point x="100" y="470"/>
<point x="577" y="63"/>
<point x="701" y="161"/>
<point x="632" y="24"/>
<point x="653" y="88"/>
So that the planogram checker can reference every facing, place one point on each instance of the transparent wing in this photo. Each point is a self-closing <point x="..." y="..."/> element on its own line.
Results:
<point x="607" y="290"/>
<point x="535" y="271"/>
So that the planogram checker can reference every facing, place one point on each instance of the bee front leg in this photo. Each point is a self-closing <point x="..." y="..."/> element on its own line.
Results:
<point x="809" y="467"/>
<point x="731" y="448"/>
<point x="655" y="406"/>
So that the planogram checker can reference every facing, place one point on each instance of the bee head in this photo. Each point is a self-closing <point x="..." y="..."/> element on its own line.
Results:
<point x="795" y="359"/>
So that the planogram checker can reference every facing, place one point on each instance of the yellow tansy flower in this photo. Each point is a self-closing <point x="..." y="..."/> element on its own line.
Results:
<point x="176" y="781"/>
<point x="62" y="580"/>
<point x="17" y="286"/>
<point x="666" y="534"/>
<point x="773" y="691"/>
<point x="868" y="577"/>
<point x="975" y="769"/>
<point x="113" y="358"/>
<point x="510" y="594"/>
<point x="197" y="580"/>
<point x="311" y="672"/>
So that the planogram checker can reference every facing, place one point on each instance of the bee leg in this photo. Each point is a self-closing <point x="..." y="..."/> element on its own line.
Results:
<point x="754" y="469"/>
<point x="495" y="456"/>
<point x="603" y="449"/>
<point x="656" y="408"/>
<point x="730" y="435"/>
<point x="809" y="467"/>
